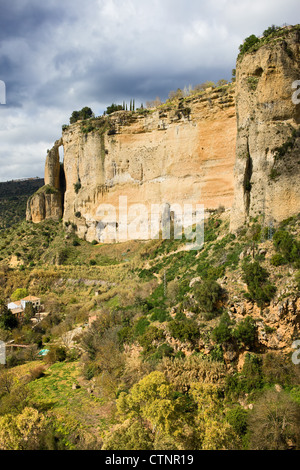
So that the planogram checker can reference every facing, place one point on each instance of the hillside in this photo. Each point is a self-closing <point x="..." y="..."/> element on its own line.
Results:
<point x="13" y="199"/>
<point x="148" y="322"/>
<point x="144" y="344"/>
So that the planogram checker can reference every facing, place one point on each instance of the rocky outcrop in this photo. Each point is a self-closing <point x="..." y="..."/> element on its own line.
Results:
<point x="52" y="166"/>
<point x="267" y="167"/>
<point x="46" y="203"/>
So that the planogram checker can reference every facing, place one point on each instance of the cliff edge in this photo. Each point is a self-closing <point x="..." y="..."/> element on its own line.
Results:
<point x="267" y="167"/>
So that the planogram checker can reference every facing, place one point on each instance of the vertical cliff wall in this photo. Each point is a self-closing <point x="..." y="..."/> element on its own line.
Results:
<point x="181" y="154"/>
<point x="267" y="167"/>
<point x="47" y="202"/>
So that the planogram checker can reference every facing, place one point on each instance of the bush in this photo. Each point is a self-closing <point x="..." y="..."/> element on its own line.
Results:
<point x="85" y="113"/>
<point x="56" y="354"/>
<point x="141" y="326"/>
<point x="158" y="314"/>
<point x="248" y="43"/>
<point x="77" y="187"/>
<point x="208" y="294"/>
<point x="223" y="333"/>
<point x="186" y="330"/>
<point x="270" y="30"/>
<point x="278" y="260"/>
<point x="37" y="372"/>
<point x="237" y="418"/>
<point x="246" y="332"/>
<point x="259" y="290"/>
<point x="113" y="108"/>
<point x="151" y="335"/>
<point x="287" y="246"/>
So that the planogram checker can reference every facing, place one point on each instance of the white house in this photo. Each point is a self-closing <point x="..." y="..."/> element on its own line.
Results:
<point x="19" y="305"/>
<point x="14" y="305"/>
<point x="35" y="301"/>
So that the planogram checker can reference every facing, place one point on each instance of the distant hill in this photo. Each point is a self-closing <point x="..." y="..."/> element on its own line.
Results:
<point x="13" y="199"/>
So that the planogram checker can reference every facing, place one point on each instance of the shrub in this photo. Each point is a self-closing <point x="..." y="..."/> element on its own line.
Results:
<point x="56" y="354"/>
<point x="287" y="246"/>
<point x="278" y="260"/>
<point x="182" y="372"/>
<point x="208" y="294"/>
<point x="158" y="314"/>
<point x="140" y="326"/>
<point x="237" y="418"/>
<point x="270" y="30"/>
<point x="77" y="187"/>
<point x="186" y="330"/>
<point x="223" y="332"/>
<point x="37" y="372"/>
<point x="85" y="113"/>
<point x="246" y="332"/>
<point x="248" y="43"/>
<point x="259" y="290"/>
<point x="152" y="334"/>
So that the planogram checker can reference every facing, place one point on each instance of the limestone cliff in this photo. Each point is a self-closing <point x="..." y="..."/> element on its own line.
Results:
<point x="235" y="146"/>
<point x="47" y="202"/>
<point x="177" y="154"/>
<point x="267" y="167"/>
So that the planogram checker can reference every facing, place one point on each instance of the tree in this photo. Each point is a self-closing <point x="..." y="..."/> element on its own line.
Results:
<point x="246" y="331"/>
<point x="8" y="321"/>
<point x="85" y="113"/>
<point x="208" y="293"/>
<point x="130" y="435"/>
<point x="223" y="332"/>
<point x="248" y="43"/>
<point x="19" y="294"/>
<point x="270" y="30"/>
<point x="29" y="312"/>
<point x="214" y="432"/>
<point x="222" y="82"/>
<point x="151" y="400"/>
<point x="113" y="108"/>
<point x="274" y="422"/>
<point x="21" y="432"/>
<point x="259" y="289"/>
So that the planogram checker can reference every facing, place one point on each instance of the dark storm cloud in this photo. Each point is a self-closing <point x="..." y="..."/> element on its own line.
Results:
<point x="58" y="56"/>
<point x="21" y="18"/>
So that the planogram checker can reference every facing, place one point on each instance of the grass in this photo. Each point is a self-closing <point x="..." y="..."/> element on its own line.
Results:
<point x="74" y="409"/>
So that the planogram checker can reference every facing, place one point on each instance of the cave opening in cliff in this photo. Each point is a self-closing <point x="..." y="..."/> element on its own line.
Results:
<point x="247" y="180"/>
<point x="62" y="176"/>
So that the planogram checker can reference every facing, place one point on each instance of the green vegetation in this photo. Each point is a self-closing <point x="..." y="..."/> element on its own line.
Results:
<point x="84" y="113"/>
<point x="287" y="146"/>
<point x="150" y="369"/>
<point x="252" y="43"/>
<point x="13" y="200"/>
<point x="259" y="289"/>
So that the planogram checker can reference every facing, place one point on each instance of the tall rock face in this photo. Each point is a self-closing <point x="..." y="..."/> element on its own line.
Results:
<point x="267" y="167"/>
<point x="52" y="166"/>
<point x="47" y="202"/>
<point x="173" y="155"/>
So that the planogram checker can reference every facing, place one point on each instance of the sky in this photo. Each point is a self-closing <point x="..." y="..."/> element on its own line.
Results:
<point x="60" y="56"/>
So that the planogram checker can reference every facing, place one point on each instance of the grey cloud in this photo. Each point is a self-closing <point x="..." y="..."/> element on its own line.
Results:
<point x="57" y="56"/>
